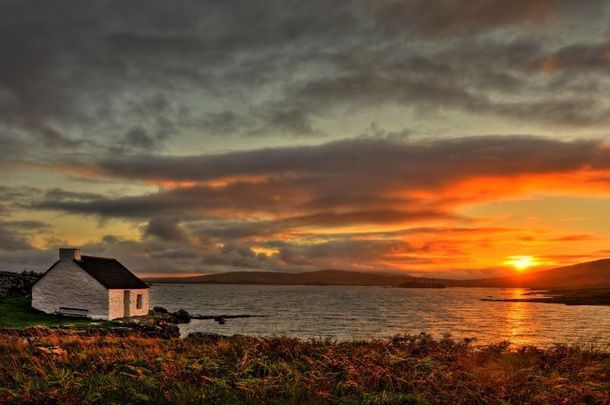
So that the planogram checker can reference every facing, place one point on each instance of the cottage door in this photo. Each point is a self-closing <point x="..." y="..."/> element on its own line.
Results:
<point x="127" y="303"/>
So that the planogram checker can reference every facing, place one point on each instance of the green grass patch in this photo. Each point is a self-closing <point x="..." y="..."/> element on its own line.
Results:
<point x="18" y="313"/>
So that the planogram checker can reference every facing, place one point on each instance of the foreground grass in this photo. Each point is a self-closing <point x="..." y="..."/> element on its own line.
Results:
<point x="403" y="370"/>
<point x="17" y="313"/>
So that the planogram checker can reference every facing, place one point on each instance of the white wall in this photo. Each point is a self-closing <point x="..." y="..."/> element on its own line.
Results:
<point x="67" y="285"/>
<point x="115" y="298"/>
<point x="117" y="308"/>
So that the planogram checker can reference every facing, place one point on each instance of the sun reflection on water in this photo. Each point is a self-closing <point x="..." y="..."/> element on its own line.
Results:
<point x="519" y="321"/>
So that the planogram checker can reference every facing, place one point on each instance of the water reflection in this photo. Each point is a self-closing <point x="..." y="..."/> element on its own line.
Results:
<point x="517" y="317"/>
<point x="367" y="312"/>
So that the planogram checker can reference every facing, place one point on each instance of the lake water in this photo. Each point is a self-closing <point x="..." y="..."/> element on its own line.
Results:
<point x="378" y="312"/>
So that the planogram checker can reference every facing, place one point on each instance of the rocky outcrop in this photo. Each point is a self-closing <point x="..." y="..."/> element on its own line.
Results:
<point x="205" y="337"/>
<point x="164" y="331"/>
<point x="182" y="316"/>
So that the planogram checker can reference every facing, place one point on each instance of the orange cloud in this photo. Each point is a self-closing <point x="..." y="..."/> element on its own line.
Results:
<point x="358" y="204"/>
<point x="480" y="188"/>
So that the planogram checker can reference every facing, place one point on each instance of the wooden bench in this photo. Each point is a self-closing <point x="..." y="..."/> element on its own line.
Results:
<point x="75" y="312"/>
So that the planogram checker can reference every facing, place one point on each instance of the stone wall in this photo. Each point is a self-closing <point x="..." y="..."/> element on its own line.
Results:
<point x="15" y="284"/>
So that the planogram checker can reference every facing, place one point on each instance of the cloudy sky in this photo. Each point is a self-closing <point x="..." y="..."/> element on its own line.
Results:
<point x="427" y="136"/>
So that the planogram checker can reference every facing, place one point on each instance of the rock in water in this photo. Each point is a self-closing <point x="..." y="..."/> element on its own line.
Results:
<point x="180" y="316"/>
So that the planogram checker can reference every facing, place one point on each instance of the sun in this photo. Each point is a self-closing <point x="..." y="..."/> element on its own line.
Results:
<point x="521" y="263"/>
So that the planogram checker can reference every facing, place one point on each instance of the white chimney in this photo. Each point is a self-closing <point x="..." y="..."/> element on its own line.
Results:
<point x="69" y="254"/>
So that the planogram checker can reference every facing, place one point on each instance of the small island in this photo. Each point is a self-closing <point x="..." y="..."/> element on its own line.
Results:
<point x="589" y="296"/>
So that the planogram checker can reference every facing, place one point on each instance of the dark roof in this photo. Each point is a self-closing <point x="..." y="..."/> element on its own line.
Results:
<point x="110" y="273"/>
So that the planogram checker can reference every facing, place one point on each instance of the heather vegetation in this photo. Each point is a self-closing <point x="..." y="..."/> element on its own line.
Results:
<point x="48" y="366"/>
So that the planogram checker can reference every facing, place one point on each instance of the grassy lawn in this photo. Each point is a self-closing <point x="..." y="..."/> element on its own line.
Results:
<point x="17" y="313"/>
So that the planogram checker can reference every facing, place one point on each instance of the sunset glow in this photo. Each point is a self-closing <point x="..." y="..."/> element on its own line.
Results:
<point x="424" y="137"/>
<point x="521" y="263"/>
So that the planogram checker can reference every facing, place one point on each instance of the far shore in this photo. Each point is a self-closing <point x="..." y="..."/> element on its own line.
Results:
<point x="591" y="296"/>
<point x="587" y="296"/>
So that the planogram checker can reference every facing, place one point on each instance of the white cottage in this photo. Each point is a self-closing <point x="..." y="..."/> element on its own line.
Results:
<point x="100" y="287"/>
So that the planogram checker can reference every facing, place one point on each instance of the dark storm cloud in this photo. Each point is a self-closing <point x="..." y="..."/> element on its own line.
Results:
<point x="176" y="254"/>
<point x="167" y="229"/>
<point x="179" y="201"/>
<point x="72" y="63"/>
<point x="438" y="18"/>
<point x="378" y="216"/>
<point x="353" y="251"/>
<point x="100" y="88"/>
<point x="12" y="198"/>
<point x="417" y="163"/>
<point x="232" y="229"/>
<point x="26" y="225"/>
<point x="469" y="77"/>
<point x="118" y="76"/>
<point x="59" y="74"/>
<point x="579" y="57"/>
<point x="14" y="234"/>
<point x="314" y="185"/>
<point x="283" y="199"/>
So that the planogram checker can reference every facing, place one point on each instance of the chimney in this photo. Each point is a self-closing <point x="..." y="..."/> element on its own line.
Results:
<point x="69" y="254"/>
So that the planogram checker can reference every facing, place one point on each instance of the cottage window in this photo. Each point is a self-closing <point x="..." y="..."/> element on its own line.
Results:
<point x="139" y="301"/>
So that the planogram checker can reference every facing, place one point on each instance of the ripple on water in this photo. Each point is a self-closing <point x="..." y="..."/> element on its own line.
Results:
<point x="378" y="312"/>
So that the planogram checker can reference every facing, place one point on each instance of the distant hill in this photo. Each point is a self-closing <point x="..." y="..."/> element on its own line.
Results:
<point x="321" y="277"/>
<point x="594" y="274"/>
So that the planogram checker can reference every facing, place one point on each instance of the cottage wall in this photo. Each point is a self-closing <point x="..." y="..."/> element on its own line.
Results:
<point x="67" y="285"/>
<point x="117" y="305"/>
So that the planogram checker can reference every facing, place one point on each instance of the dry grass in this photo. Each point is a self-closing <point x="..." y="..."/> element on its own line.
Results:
<point x="406" y="369"/>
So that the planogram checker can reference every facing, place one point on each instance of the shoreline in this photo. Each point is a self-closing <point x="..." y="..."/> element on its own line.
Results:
<point x="168" y="332"/>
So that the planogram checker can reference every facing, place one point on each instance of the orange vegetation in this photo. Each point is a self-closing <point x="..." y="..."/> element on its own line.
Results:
<point x="83" y="368"/>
